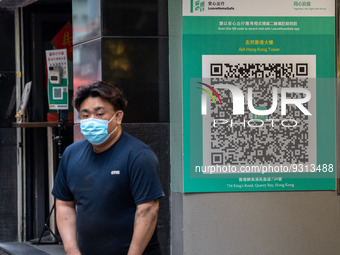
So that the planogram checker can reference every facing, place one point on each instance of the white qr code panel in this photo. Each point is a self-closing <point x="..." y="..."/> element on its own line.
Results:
<point x="250" y="139"/>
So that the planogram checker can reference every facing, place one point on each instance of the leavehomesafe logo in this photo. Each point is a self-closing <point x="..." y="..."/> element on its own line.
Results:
<point x="260" y="113"/>
<point x="201" y="6"/>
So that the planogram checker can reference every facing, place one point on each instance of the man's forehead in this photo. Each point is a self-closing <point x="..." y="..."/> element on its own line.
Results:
<point x="95" y="104"/>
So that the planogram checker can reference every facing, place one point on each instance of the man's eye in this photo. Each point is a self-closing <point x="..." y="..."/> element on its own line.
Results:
<point x="100" y="114"/>
<point x="84" y="116"/>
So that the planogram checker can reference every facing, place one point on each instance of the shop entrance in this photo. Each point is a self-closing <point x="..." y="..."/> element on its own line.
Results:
<point x="42" y="21"/>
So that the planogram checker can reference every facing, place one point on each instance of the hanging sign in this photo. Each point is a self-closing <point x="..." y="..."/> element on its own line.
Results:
<point x="57" y="79"/>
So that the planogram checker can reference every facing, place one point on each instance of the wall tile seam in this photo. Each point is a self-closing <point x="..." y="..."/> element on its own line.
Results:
<point x="87" y="41"/>
<point x="119" y="37"/>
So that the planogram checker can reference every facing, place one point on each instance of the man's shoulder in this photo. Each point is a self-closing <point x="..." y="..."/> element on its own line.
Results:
<point x="76" y="147"/>
<point x="78" y="144"/>
<point x="133" y="145"/>
<point x="133" y="142"/>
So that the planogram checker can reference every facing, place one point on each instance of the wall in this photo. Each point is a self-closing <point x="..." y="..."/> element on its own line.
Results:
<point x="261" y="223"/>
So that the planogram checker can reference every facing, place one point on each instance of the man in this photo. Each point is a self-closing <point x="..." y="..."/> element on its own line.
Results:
<point x="107" y="187"/>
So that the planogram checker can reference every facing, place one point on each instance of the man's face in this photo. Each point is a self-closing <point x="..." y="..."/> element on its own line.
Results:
<point x="99" y="108"/>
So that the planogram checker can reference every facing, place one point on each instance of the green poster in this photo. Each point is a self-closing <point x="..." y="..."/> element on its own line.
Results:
<point x="258" y="96"/>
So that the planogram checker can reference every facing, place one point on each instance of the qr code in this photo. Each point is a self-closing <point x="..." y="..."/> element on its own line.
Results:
<point x="58" y="92"/>
<point x="247" y="138"/>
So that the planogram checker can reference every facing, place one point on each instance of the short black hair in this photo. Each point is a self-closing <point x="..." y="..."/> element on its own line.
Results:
<point x="101" y="89"/>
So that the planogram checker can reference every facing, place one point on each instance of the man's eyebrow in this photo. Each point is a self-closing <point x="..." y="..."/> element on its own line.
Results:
<point x="95" y="109"/>
<point x="99" y="108"/>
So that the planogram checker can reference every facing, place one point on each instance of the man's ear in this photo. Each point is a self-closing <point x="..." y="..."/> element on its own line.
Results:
<point x="119" y="117"/>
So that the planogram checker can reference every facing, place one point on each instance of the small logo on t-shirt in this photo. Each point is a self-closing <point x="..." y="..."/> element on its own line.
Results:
<point x="115" y="172"/>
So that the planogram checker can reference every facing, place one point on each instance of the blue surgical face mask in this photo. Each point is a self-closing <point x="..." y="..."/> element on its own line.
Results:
<point x="95" y="130"/>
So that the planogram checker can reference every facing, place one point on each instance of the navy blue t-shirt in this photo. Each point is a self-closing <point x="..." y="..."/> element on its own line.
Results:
<point x="106" y="188"/>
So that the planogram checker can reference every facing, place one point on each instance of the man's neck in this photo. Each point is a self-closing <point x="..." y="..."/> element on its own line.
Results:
<point x="109" y="143"/>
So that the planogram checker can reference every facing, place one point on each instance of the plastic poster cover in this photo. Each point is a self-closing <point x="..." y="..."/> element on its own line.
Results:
<point x="258" y="95"/>
<point x="23" y="103"/>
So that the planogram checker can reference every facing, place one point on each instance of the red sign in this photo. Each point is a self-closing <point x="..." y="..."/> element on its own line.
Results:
<point x="63" y="40"/>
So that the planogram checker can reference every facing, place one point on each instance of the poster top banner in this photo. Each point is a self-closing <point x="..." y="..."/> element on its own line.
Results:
<point x="316" y="8"/>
